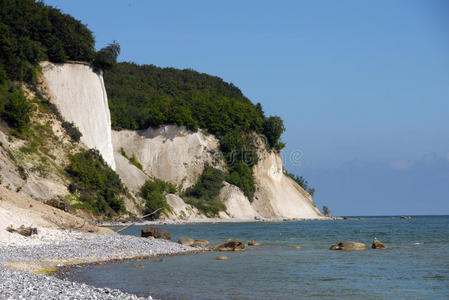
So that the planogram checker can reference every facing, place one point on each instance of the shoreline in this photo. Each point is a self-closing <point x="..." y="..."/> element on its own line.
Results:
<point x="35" y="266"/>
<point x="40" y="264"/>
<point x="212" y="221"/>
<point x="63" y="271"/>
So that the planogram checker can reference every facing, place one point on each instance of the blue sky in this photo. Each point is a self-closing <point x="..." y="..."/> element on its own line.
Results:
<point x="363" y="88"/>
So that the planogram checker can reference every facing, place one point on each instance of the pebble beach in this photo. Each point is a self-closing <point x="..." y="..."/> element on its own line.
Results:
<point x="26" y="262"/>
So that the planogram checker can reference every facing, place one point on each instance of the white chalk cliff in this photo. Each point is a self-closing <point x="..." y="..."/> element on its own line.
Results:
<point x="80" y="96"/>
<point x="177" y="155"/>
<point x="278" y="195"/>
<point x="170" y="153"/>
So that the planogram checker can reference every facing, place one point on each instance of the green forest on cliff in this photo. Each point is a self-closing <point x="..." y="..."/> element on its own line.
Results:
<point x="31" y="32"/>
<point x="149" y="96"/>
<point x="139" y="96"/>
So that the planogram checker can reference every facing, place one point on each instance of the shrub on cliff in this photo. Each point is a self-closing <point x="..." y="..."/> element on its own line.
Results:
<point x="72" y="131"/>
<point x="204" y="194"/>
<point x="154" y="191"/>
<point x="99" y="187"/>
<point x="14" y="108"/>
<point x="302" y="182"/>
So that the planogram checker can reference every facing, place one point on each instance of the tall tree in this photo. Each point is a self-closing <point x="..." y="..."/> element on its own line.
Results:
<point x="106" y="58"/>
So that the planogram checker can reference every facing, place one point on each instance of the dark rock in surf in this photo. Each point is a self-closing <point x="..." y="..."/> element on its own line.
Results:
<point x="378" y="245"/>
<point x="231" y="245"/>
<point x="200" y="243"/>
<point x="348" y="246"/>
<point x="157" y="233"/>
<point x="186" y="241"/>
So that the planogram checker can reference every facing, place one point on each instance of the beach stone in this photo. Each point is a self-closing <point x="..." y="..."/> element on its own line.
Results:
<point x="157" y="233"/>
<point x="231" y="245"/>
<point x="348" y="246"/>
<point x="221" y="257"/>
<point x="186" y="241"/>
<point x="25" y="231"/>
<point x="253" y="243"/>
<point x="378" y="245"/>
<point x="200" y="243"/>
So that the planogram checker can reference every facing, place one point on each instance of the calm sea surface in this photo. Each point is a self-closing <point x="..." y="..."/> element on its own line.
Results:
<point x="415" y="265"/>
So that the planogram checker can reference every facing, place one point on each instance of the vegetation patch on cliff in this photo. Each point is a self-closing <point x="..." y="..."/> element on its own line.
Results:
<point x="148" y="96"/>
<point x="302" y="182"/>
<point x="204" y="194"/>
<point x="153" y="192"/>
<point x="98" y="187"/>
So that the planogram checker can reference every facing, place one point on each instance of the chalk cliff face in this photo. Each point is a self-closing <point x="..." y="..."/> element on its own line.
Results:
<point x="170" y="153"/>
<point x="178" y="156"/>
<point x="81" y="98"/>
<point x="277" y="195"/>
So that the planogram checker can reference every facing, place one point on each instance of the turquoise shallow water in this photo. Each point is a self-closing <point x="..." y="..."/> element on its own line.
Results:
<point x="416" y="265"/>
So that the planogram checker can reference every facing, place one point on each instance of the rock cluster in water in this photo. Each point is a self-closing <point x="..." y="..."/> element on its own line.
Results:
<point x="157" y="233"/>
<point x="348" y="246"/>
<point x="231" y="245"/>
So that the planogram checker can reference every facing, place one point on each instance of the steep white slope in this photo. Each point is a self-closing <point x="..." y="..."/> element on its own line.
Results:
<point x="237" y="204"/>
<point x="181" y="210"/>
<point x="80" y="96"/>
<point x="278" y="195"/>
<point x="169" y="153"/>
<point x="177" y="155"/>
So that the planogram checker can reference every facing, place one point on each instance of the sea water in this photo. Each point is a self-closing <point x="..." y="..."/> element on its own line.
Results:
<point x="415" y="265"/>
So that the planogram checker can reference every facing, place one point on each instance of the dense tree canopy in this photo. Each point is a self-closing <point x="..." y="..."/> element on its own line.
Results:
<point x="144" y="96"/>
<point x="139" y="96"/>
<point x="31" y="31"/>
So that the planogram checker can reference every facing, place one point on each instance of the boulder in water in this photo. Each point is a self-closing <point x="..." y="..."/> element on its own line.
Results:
<point x="157" y="233"/>
<point x="378" y="245"/>
<point x="200" y="243"/>
<point x="231" y="245"/>
<point x="186" y="241"/>
<point x="348" y="246"/>
<point x="221" y="257"/>
<point x="253" y="243"/>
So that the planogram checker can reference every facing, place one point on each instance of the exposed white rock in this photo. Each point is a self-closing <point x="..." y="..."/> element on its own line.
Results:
<point x="171" y="153"/>
<point x="133" y="177"/>
<point x="181" y="210"/>
<point x="278" y="195"/>
<point x="79" y="94"/>
<point x="237" y="204"/>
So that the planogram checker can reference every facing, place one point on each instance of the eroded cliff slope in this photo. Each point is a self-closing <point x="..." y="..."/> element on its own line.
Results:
<point x="171" y="153"/>
<point x="177" y="155"/>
